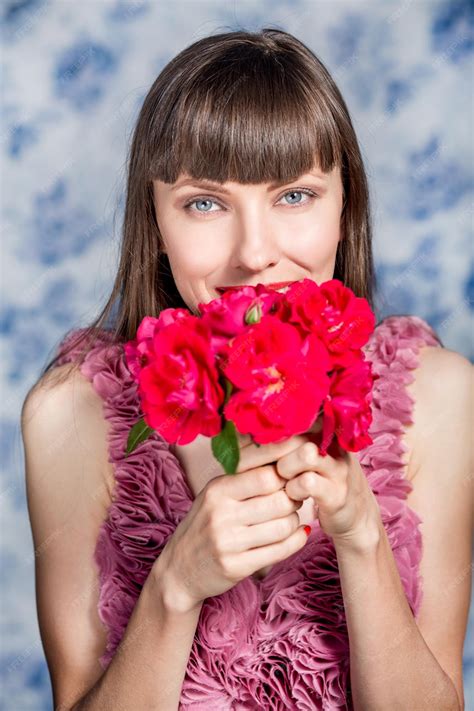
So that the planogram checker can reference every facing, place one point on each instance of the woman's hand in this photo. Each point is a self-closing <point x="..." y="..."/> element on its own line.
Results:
<point x="345" y="504"/>
<point x="237" y="525"/>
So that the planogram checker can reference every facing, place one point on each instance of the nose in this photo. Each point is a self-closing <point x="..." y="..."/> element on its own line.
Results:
<point x="256" y="245"/>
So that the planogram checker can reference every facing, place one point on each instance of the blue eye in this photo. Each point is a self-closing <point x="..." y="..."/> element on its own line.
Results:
<point x="197" y="200"/>
<point x="206" y="199"/>
<point x="309" y="193"/>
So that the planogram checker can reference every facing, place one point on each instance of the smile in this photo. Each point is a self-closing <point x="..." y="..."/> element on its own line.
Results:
<point x="280" y="286"/>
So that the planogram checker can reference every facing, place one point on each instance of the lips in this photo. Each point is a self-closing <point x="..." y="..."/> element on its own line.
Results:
<point x="274" y="285"/>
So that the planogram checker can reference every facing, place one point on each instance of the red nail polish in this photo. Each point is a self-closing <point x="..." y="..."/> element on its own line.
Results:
<point x="307" y="530"/>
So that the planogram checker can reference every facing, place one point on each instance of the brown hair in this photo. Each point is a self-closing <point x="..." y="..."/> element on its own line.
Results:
<point x="240" y="106"/>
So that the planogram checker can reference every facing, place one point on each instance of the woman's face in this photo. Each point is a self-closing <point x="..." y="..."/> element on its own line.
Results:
<point x="237" y="234"/>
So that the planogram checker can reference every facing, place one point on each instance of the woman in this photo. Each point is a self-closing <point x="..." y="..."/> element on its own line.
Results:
<point x="168" y="584"/>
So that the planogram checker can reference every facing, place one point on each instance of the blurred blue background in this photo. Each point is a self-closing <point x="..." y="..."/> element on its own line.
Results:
<point x="74" y="78"/>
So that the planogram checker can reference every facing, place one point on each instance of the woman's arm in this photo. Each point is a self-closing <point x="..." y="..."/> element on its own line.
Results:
<point x="69" y="491"/>
<point x="148" y="668"/>
<point x="397" y="661"/>
<point x="391" y="665"/>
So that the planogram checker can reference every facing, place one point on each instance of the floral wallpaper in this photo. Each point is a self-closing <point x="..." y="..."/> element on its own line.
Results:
<point x="74" y="78"/>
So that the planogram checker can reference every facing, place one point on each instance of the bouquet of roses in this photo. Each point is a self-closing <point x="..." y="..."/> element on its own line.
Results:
<point x="260" y="362"/>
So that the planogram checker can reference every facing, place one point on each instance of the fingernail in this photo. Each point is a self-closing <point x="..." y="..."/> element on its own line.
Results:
<point x="307" y="530"/>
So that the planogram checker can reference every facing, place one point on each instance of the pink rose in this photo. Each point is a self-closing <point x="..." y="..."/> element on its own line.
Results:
<point x="225" y="317"/>
<point x="139" y="351"/>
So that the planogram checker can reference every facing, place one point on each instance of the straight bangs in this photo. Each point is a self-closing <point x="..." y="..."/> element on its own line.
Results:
<point x="251" y="117"/>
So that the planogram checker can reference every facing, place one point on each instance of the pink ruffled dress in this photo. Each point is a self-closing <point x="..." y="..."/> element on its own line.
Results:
<point x="280" y="642"/>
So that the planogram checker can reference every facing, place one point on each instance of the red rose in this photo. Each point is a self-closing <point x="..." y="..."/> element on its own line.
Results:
<point x="179" y="389"/>
<point x="280" y="377"/>
<point x="347" y="408"/>
<point x="331" y="311"/>
<point x="302" y="305"/>
<point x="347" y="319"/>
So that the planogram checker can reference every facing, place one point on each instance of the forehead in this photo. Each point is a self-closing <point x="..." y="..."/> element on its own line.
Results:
<point x="186" y="180"/>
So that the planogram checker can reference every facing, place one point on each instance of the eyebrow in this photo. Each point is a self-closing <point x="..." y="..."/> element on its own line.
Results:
<point x="217" y="187"/>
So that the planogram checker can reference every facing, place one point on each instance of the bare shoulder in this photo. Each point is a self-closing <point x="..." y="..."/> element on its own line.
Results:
<point x="442" y="391"/>
<point x="441" y="472"/>
<point x="62" y="412"/>
<point x="66" y="449"/>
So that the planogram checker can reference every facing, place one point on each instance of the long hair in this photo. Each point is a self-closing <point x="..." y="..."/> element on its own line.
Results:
<point x="249" y="107"/>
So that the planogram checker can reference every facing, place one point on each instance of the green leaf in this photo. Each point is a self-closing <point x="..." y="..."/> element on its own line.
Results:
<point x="225" y="447"/>
<point x="228" y="389"/>
<point x="139" y="433"/>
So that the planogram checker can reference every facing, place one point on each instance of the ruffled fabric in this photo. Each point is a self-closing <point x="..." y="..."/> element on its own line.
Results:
<point x="280" y="642"/>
